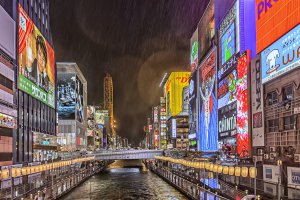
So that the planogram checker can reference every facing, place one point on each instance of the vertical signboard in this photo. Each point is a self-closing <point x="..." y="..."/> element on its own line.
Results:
<point x="194" y="51"/>
<point x="257" y="103"/>
<point x="242" y="105"/>
<point x="208" y="104"/>
<point x="79" y="101"/>
<point x="192" y="106"/>
<point x="174" y="128"/>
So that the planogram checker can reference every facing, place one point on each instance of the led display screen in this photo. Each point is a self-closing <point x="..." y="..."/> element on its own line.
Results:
<point x="90" y="112"/>
<point x="242" y="105"/>
<point x="66" y="96"/>
<point x="274" y="19"/>
<point x="208" y="104"/>
<point x="174" y="92"/>
<point x="227" y="89"/>
<point x="228" y="44"/>
<point x="36" y="62"/>
<point x="282" y="56"/>
<point x="227" y="121"/>
<point x="79" y="101"/>
<point x="100" y="116"/>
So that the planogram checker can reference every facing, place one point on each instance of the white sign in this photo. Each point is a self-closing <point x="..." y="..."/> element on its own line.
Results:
<point x="271" y="173"/>
<point x="297" y="110"/>
<point x="174" y="127"/>
<point x="293" y="176"/>
<point x="257" y="103"/>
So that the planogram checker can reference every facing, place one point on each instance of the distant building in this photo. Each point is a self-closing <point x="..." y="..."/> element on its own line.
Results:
<point x="71" y="106"/>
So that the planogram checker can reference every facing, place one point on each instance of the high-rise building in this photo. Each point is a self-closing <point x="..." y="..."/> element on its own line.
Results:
<point x="8" y="109"/>
<point x="109" y="99"/>
<point x="71" y="107"/>
<point x="34" y="140"/>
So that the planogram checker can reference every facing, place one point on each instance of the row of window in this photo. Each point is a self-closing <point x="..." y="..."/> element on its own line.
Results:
<point x="289" y="123"/>
<point x="6" y="82"/>
<point x="287" y="94"/>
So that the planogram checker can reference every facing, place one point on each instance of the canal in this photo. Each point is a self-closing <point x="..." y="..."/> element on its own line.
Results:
<point x="125" y="180"/>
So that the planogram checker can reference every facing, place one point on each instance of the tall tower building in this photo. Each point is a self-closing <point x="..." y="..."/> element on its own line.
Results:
<point x="109" y="99"/>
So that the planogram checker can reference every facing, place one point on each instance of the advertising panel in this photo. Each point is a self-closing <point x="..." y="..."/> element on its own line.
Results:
<point x="90" y="112"/>
<point x="208" y="104"/>
<point x="36" y="62"/>
<point x="227" y="121"/>
<point x="282" y="56"/>
<point x="257" y="103"/>
<point x="206" y="29"/>
<point x="227" y="89"/>
<point x="270" y="173"/>
<point x="79" y="101"/>
<point x="100" y="116"/>
<point x="7" y="34"/>
<point x="277" y="17"/>
<point x="66" y="96"/>
<point x="174" y="92"/>
<point x="228" y="44"/>
<point x="174" y="128"/>
<point x="194" y="51"/>
<point x="229" y="34"/>
<point x="7" y="121"/>
<point x="185" y="101"/>
<point x="293" y="176"/>
<point x="192" y="103"/>
<point x="242" y="105"/>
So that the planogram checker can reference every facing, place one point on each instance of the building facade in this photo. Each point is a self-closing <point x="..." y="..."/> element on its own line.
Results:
<point x="36" y="76"/>
<point x="8" y="103"/>
<point x="108" y="99"/>
<point x="72" y="107"/>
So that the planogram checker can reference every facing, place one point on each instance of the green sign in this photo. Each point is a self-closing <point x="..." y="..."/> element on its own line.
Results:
<point x="35" y="91"/>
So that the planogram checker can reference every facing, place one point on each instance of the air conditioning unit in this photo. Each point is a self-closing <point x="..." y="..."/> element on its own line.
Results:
<point x="273" y="156"/>
<point x="296" y="157"/>
<point x="266" y="156"/>
<point x="272" y="149"/>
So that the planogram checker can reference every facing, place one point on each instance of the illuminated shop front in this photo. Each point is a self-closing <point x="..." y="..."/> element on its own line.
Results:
<point x="44" y="147"/>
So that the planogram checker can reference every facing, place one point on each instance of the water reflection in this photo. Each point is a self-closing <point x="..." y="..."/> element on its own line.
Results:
<point x="125" y="184"/>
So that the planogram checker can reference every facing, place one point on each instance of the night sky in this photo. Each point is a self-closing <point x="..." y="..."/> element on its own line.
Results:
<point x="136" y="41"/>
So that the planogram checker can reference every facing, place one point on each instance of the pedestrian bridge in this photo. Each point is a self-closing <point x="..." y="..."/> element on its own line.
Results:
<point x="126" y="154"/>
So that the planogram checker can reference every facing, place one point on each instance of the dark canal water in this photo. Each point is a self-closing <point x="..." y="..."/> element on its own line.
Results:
<point x="118" y="183"/>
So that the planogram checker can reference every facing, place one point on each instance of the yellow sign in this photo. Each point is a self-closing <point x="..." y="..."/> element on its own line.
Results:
<point x="177" y="83"/>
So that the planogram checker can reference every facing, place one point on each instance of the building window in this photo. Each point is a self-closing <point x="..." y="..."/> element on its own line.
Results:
<point x="273" y="125"/>
<point x="289" y="122"/>
<point x="288" y="93"/>
<point x="272" y="98"/>
<point x="6" y="82"/>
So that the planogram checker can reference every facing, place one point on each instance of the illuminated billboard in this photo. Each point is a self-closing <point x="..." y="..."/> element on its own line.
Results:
<point x="36" y="62"/>
<point x="174" y="128"/>
<point x="227" y="90"/>
<point x="100" y="116"/>
<point x="90" y="112"/>
<point x="208" y="104"/>
<point x="228" y="44"/>
<point x="7" y="121"/>
<point x="194" y="51"/>
<point x="174" y="92"/>
<point x="206" y="29"/>
<point x="66" y="96"/>
<point x="192" y="104"/>
<point x="79" y="101"/>
<point x="242" y="105"/>
<point x="282" y="56"/>
<point x="274" y="19"/>
<point x="227" y="121"/>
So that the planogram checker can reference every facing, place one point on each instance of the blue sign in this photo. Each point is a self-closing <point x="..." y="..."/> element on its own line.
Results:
<point x="296" y="177"/>
<point x="282" y="56"/>
<point x="228" y="44"/>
